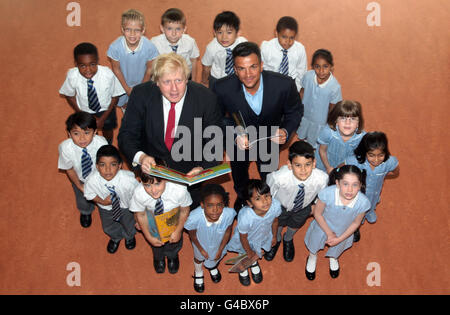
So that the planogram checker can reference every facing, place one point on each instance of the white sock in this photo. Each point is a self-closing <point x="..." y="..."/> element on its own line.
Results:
<point x="255" y="268"/>
<point x="311" y="263"/>
<point x="198" y="272"/>
<point x="244" y="273"/>
<point x="334" y="264"/>
<point x="214" y="271"/>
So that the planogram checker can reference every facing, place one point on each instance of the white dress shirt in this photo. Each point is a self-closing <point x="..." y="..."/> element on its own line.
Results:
<point x="272" y="54"/>
<point x="284" y="186"/>
<point x="187" y="47"/>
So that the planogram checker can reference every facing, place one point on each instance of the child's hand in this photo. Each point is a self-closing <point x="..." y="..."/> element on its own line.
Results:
<point x="137" y="226"/>
<point x="204" y="254"/>
<point x="218" y="255"/>
<point x="155" y="242"/>
<point x="175" y="237"/>
<point x="333" y="241"/>
<point x="274" y="241"/>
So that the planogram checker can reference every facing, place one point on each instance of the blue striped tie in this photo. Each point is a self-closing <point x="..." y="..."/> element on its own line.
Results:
<point x="94" y="104"/>
<point x="86" y="163"/>
<point x="174" y="48"/>
<point x="229" y="64"/>
<point x="159" y="208"/>
<point x="284" y="66"/>
<point x="115" y="201"/>
<point x="298" y="202"/>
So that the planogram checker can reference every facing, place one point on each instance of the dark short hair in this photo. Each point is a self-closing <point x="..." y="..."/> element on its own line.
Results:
<point x="147" y="178"/>
<point x="83" y="120"/>
<point x="371" y="141"/>
<point x="85" y="49"/>
<point x="227" y="18"/>
<point x="109" y="151"/>
<point x="287" y="22"/>
<point x="173" y="15"/>
<point x="246" y="49"/>
<point x="301" y="148"/>
<point x="324" y="54"/>
<point x="256" y="184"/>
<point x="214" y="189"/>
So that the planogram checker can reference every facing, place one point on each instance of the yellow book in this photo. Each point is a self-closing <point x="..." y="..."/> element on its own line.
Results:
<point x="163" y="225"/>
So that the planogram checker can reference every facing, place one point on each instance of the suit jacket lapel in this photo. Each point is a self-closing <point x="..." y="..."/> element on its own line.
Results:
<point x="157" y="120"/>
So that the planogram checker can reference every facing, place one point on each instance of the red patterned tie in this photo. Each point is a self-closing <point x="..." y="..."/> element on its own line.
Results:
<point x="170" y="126"/>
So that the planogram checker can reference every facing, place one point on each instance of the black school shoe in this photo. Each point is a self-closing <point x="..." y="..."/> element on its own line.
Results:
<point x="244" y="280"/>
<point x="112" y="246"/>
<point x="85" y="220"/>
<point x="199" y="287"/>
<point x="173" y="264"/>
<point x="273" y="251"/>
<point x="159" y="265"/>
<point x="309" y="275"/>
<point x="257" y="277"/>
<point x="130" y="244"/>
<point x="217" y="277"/>
<point x="288" y="250"/>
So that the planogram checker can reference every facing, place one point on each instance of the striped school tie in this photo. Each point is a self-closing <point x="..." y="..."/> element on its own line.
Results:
<point x="174" y="48"/>
<point x="298" y="201"/>
<point x="94" y="104"/>
<point x="115" y="201"/>
<point x="86" y="163"/>
<point x="284" y="65"/>
<point x="159" y="208"/>
<point x="229" y="63"/>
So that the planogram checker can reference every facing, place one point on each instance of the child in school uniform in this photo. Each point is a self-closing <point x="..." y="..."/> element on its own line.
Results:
<point x="373" y="156"/>
<point x="160" y="196"/>
<point x="92" y="88"/>
<point x="174" y="39"/>
<point x="341" y="136"/>
<point x="209" y="227"/>
<point x="296" y="186"/>
<point x="338" y="213"/>
<point x="77" y="157"/>
<point x="111" y="189"/>
<point x="284" y="54"/>
<point x="256" y="227"/>
<point x="320" y="92"/>
<point x="217" y="62"/>
<point x="131" y="54"/>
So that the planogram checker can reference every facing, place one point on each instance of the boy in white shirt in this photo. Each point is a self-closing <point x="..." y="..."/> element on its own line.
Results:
<point x="111" y="188"/>
<point x="92" y="88"/>
<point x="77" y="157"/>
<point x="283" y="53"/>
<point x="174" y="39"/>
<point x="158" y="196"/>
<point x="217" y="61"/>
<point x="296" y="186"/>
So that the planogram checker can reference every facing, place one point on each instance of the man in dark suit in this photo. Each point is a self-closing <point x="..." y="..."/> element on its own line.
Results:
<point x="166" y="120"/>
<point x="266" y="100"/>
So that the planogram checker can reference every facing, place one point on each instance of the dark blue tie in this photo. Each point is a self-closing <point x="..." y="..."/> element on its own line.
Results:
<point x="115" y="201"/>
<point x="298" y="201"/>
<point x="174" y="48"/>
<point x="284" y="66"/>
<point x="86" y="163"/>
<point x="229" y="64"/>
<point x="94" y="104"/>
<point x="159" y="208"/>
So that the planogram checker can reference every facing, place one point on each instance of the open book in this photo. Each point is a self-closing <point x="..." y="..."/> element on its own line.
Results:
<point x="163" y="225"/>
<point x="173" y="175"/>
<point x="240" y="263"/>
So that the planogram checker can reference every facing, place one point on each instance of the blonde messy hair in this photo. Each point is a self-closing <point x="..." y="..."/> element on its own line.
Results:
<point x="169" y="63"/>
<point x="133" y="15"/>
